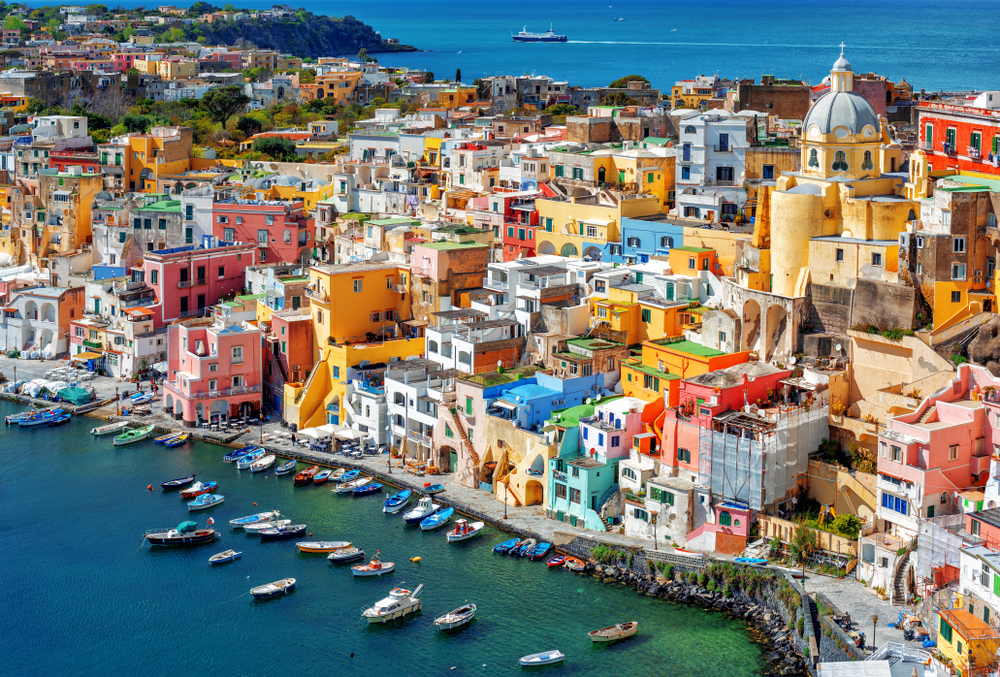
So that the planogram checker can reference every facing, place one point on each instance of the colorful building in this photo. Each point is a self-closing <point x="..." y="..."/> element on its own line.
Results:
<point x="969" y="643"/>
<point x="657" y="372"/>
<point x="282" y="231"/>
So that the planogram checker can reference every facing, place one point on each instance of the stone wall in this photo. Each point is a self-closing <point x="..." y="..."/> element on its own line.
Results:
<point x="894" y="302"/>
<point x="830" y="310"/>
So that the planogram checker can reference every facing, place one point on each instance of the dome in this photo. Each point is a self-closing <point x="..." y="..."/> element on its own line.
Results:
<point x="841" y="109"/>
<point x="842" y="64"/>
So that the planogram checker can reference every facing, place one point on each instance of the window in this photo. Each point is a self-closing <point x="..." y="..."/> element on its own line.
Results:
<point x="953" y="452"/>
<point x="510" y="231"/>
<point x="722" y="338"/>
<point x="867" y="163"/>
<point x="813" y="158"/>
<point x="767" y="172"/>
<point x="548" y="224"/>
<point x="162" y="224"/>
<point x="262" y="238"/>
<point x="877" y="259"/>
<point x="237" y="355"/>
<point x="840" y="255"/>
<point x="213" y="385"/>
<point x="957" y="243"/>
<point x="147" y="224"/>
<point x="189" y="212"/>
<point x="725" y="519"/>
<point x="560" y="490"/>
<point x="153" y="276"/>
<point x="358" y="286"/>
<point x="928" y="136"/>
<point x="213" y="367"/>
<point x="640" y="514"/>
<point x="574" y="494"/>
<point x="336" y="372"/>
<point x="945" y="630"/>
<point x="268" y="220"/>
<point x="591" y="231"/>
<point x="897" y="454"/>
<point x="976" y="140"/>
<point x="223" y="219"/>
<point x="958" y="271"/>
<point x="685" y="173"/>
<point x="920" y="242"/>
<point x="376" y="317"/>
<point x="237" y="381"/>
<point x="228" y="235"/>
<point x="651" y="382"/>
<point x="647" y="315"/>
<point x="950" y="136"/>
<point x="839" y="161"/>
<point x="667" y="242"/>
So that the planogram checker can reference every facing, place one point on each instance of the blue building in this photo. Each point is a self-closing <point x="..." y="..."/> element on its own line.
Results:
<point x="642" y="239"/>
<point x="530" y="405"/>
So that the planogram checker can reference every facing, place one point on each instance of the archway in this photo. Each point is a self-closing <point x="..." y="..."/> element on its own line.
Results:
<point x="569" y="250"/>
<point x="601" y="173"/>
<point x="593" y="252"/>
<point x="48" y="312"/>
<point x="751" y="325"/>
<point x="546" y="248"/>
<point x="533" y="492"/>
<point x="168" y="403"/>
<point x="219" y="408"/>
<point x="31" y="310"/>
<point x="448" y="459"/>
<point x="199" y="412"/>
<point x="777" y="324"/>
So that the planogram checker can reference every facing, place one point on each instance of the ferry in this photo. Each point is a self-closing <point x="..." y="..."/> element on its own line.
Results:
<point x="548" y="36"/>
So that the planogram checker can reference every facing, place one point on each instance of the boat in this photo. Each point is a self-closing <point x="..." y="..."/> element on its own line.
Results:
<point x="349" y="487"/>
<point x="556" y="561"/>
<point x="282" y="587"/>
<point x="504" y="547"/>
<point x="425" y="508"/>
<point x="376" y="567"/>
<point x="395" y="503"/>
<point x="306" y="476"/>
<point x="60" y="419"/>
<point x="337" y="474"/>
<point x="170" y="485"/>
<point x="322" y="546"/>
<point x="141" y="398"/>
<point x="199" y="488"/>
<point x="102" y="430"/>
<point x="14" y="418"/>
<point x="613" y="633"/>
<point x="205" y="501"/>
<point x="163" y="439"/>
<point x="285" y="468"/>
<point x="346" y="555"/>
<point x="464" y="530"/>
<point x="249" y="459"/>
<point x="322" y="476"/>
<point x="457" y="618"/>
<point x="263" y="463"/>
<point x="620" y="18"/>
<point x="432" y="489"/>
<point x="794" y="573"/>
<point x="225" y="556"/>
<point x="539" y="551"/>
<point x="756" y="561"/>
<point x="133" y="435"/>
<point x="573" y="564"/>
<point x="280" y="533"/>
<point x="689" y="553"/>
<point x="399" y="603"/>
<point x="176" y="441"/>
<point x="256" y="529"/>
<point x="543" y="658"/>
<point x="186" y="533"/>
<point x="348" y="476"/>
<point x="524" y="548"/>
<point x="259" y="518"/>
<point x="367" y="489"/>
<point x="548" y="36"/>
<point x="437" y="520"/>
<point x="41" y="418"/>
<point x="234" y="456"/>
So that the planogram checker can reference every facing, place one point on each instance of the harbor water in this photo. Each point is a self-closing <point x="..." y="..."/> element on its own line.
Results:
<point x="82" y="595"/>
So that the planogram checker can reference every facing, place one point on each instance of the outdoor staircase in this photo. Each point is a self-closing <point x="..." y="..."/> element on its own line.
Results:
<point x="899" y="579"/>
<point x="931" y="410"/>
<point x="465" y="438"/>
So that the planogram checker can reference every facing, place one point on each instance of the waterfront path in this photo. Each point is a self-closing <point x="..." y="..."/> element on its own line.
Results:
<point x="850" y="595"/>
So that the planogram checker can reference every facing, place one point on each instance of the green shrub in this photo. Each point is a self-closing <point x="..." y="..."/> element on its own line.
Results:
<point x="801" y="625"/>
<point x="668" y="571"/>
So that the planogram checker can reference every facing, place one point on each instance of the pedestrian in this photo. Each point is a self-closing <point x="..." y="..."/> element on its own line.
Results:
<point x="293" y="439"/>
<point x="388" y="464"/>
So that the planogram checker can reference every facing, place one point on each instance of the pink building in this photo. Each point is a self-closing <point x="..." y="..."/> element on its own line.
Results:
<point x="213" y="371"/>
<point x="187" y="280"/>
<point x="125" y="60"/>
<point x="281" y="230"/>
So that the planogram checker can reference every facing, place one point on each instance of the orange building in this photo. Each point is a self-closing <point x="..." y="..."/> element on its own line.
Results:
<point x="691" y="260"/>
<point x="657" y="372"/>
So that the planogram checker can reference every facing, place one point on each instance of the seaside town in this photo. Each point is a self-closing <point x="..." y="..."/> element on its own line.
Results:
<point x="673" y="336"/>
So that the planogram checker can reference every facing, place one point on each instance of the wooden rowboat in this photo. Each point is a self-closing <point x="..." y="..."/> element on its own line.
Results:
<point x="613" y="633"/>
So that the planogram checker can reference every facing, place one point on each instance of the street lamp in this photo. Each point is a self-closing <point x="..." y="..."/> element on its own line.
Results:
<point x="505" y="486"/>
<point x="874" y="625"/>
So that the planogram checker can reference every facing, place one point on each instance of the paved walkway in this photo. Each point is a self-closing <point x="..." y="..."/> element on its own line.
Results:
<point x="852" y="596"/>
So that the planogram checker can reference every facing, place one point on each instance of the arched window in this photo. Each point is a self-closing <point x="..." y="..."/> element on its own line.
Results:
<point x="840" y="161"/>
<point x="944" y="497"/>
<point x="814" y="158"/>
<point x="867" y="163"/>
<point x="432" y="346"/>
<point x="736" y="523"/>
<point x="629" y="473"/>
<point x="912" y="216"/>
<point x="725" y="519"/>
<point x="690" y="130"/>
<point x="286" y="237"/>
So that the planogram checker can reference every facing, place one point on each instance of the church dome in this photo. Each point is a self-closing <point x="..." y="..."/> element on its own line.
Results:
<point x="842" y="64"/>
<point x="841" y="109"/>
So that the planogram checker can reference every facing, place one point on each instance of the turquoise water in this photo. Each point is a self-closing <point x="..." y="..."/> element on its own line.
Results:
<point x="81" y="597"/>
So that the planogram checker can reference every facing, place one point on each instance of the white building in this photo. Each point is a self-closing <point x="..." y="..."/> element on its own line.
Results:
<point x="711" y="167"/>
<point x="413" y="390"/>
<point x="34" y="322"/>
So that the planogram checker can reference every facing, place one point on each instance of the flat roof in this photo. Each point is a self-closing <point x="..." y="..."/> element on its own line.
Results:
<point x="451" y="246"/>
<point x="693" y="250"/>
<point x="689" y="347"/>
<point x="592" y="343"/>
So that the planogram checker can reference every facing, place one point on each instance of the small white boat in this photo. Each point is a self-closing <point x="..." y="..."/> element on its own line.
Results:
<point x="222" y="557"/>
<point x="346" y="555"/>
<point x="349" y="487"/>
<point x="689" y="553"/>
<point x="205" y="501"/>
<point x="249" y="459"/>
<point x="322" y="546"/>
<point x="425" y="508"/>
<point x="109" y="428"/>
<point x="464" y="530"/>
<point x="399" y="603"/>
<point x="255" y="529"/>
<point x="456" y="618"/>
<point x="259" y="518"/>
<point x="374" y="568"/>
<point x="543" y="658"/>
<point x="613" y="633"/>
<point x="263" y="463"/>
<point x="282" y="587"/>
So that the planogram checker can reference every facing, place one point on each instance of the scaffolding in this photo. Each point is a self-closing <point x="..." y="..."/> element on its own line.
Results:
<point x="939" y="544"/>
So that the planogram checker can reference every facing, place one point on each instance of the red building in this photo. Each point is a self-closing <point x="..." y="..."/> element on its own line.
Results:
<point x="964" y="138"/>
<point x="289" y="353"/>
<point x="282" y="230"/>
<point x="64" y="159"/>
<point x="520" y="221"/>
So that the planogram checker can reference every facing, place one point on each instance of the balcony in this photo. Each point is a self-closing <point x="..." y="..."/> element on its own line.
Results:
<point x="495" y="285"/>
<point x="400" y="289"/>
<point x="317" y="295"/>
<point x="96" y="345"/>
<point x="973" y="153"/>
<point x="723" y="148"/>
<point x="212" y="394"/>
<point x="423" y="440"/>
<point x="184" y="284"/>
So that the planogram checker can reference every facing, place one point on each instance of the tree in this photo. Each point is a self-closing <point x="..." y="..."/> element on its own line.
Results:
<point x="307" y="76"/>
<point x="804" y="543"/>
<point x="622" y="83"/>
<point x="222" y="103"/>
<point x="137" y="124"/>
<point x="618" y="99"/>
<point x="14" y="23"/>
<point x="249" y="126"/>
<point x="362" y="55"/>
<point x="847" y="525"/>
<point x="278" y="147"/>
<point x="562" y="109"/>
<point x="458" y="75"/>
<point x="113" y="103"/>
<point x="429" y="77"/>
<point x="97" y="9"/>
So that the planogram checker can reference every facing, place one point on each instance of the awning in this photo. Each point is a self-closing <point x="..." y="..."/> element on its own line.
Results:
<point x="83" y="357"/>
<point x="160" y="367"/>
<point x="505" y="405"/>
<point x="349" y="434"/>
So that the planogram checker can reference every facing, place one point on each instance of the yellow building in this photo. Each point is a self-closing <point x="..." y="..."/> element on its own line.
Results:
<point x="456" y="97"/>
<point x="655" y="373"/>
<point x="585" y="226"/>
<point x="337" y="86"/>
<point x="352" y="303"/>
<point x="164" y="151"/>
<point x="963" y="636"/>
<point x="632" y="171"/>
<point x="310" y="195"/>
<point x="689" y="261"/>
<point x="262" y="59"/>
<point x="641" y="319"/>
<point x="692" y="93"/>
<point x="176" y="69"/>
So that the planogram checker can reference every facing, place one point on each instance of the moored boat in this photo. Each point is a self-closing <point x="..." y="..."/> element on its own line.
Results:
<point x="205" y="501"/>
<point x="756" y="561"/>
<point x="256" y="529"/>
<point x="322" y="546"/>
<point x="249" y="459"/>
<point x="556" y="561"/>
<point x="464" y="530"/>
<point x="282" y="587"/>
<point x="348" y="476"/>
<point x="367" y="489"/>
<point x="306" y="476"/>
<point x="432" y="489"/>
<point x="437" y="520"/>
<point x="223" y="557"/>
<point x="573" y="564"/>
<point x="395" y="503"/>
<point x="376" y="567"/>
<point x="425" y="508"/>
<point x="504" y="547"/>
<point x="457" y="618"/>
<point x="199" y="488"/>
<point x="258" y="518"/>
<point x="613" y="633"/>
<point x="280" y="533"/>
<point x="322" y="476"/>
<point x="170" y="485"/>
<point x="109" y="428"/>
<point x="234" y="456"/>
<point x="346" y="555"/>
<point x="285" y="468"/>
<point x="21" y="415"/>
<point x="41" y="418"/>
<point x="163" y="439"/>
<point x="543" y="658"/>
<point x="349" y="487"/>
<point x="186" y="533"/>
<point x="539" y="551"/>
<point x="399" y="603"/>
<point x="263" y="463"/>
<point x="337" y="474"/>
<point x="689" y="553"/>
<point x="59" y="420"/>
<point x="176" y="441"/>
<point x="141" y="398"/>
<point x="523" y="549"/>
<point x="133" y="435"/>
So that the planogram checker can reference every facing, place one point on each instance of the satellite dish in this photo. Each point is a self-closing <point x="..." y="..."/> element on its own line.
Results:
<point x="838" y="347"/>
<point x="589" y="400"/>
<point x="599" y="398"/>
<point x="792" y="360"/>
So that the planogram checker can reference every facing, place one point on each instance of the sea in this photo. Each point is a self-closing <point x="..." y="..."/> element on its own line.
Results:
<point x="83" y="595"/>
<point x="935" y="45"/>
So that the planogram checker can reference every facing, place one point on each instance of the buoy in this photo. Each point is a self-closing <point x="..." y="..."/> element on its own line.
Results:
<point x="416" y="559"/>
<point x="310" y="533"/>
<point x="255" y="504"/>
<point x="149" y="488"/>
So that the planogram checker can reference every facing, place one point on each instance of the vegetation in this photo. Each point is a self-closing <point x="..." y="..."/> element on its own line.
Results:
<point x="221" y="103"/>
<point x="805" y="541"/>
<point x="605" y="554"/>
<point x="622" y="82"/>
<point x="276" y="148"/>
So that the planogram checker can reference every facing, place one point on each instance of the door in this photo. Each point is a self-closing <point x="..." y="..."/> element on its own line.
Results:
<point x="601" y="173"/>
<point x="201" y="301"/>
<point x="97" y="306"/>
<point x="184" y="304"/>
<point x="723" y="142"/>
<point x="453" y="461"/>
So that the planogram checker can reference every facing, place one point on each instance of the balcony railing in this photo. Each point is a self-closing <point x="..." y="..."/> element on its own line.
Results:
<point x="497" y="285"/>
<point x="723" y="148"/>
<point x="317" y="296"/>
<point x="400" y="288"/>
<point x="213" y="394"/>
<point x="184" y="284"/>
<point x="424" y="440"/>
<point x="93" y="344"/>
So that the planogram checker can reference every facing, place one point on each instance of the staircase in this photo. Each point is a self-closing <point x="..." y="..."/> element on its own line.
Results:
<point x="465" y="438"/>
<point x="931" y="410"/>
<point x="899" y="578"/>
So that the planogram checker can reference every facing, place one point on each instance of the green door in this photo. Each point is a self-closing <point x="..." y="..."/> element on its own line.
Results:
<point x="97" y="306"/>
<point x="453" y="461"/>
<point x="621" y="176"/>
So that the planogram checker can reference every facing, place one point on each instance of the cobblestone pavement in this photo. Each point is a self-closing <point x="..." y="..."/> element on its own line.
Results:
<point x="852" y="596"/>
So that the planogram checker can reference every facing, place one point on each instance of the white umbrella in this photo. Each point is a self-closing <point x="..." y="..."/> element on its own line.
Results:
<point x="348" y="434"/>
<point x="311" y="432"/>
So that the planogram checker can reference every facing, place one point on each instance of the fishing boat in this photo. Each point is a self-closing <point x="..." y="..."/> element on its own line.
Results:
<point x="102" y="430"/>
<point x="548" y="36"/>
<point x="524" y="548"/>
<point x="133" y="435"/>
<point x="395" y="503"/>
<point x="141" y="398"/>
<point x="346" y="555"/>
<point x="170" y="485"/>
<point x="573" y="564"/>
<point x="337" y="474"/>
<point x="689" y="553"/>
<point x="259" y="518"/>
<point x="234" y="456"/>
<point x="756" y="561"/>
<point x="348" y="476"/>
<point x="176" y="441"/>
<point x="59" y="419"/>
<point x="556" y="561"/>
<point x="322" y="476"/>
<point x="306" y="476"/>
<point x="163" y="439"/>
<point x="256" y="529"/>
<point x="322" y="546"/>
<point x="613" y="633"/>
<point x="457" y="618"/>
<point x="263" y="463"/>
<point x="376" y="567"/>
<point x="366" y="489"/>
<point x="282" y="587"/>
<point x="41" y="418"/>
<point x="794" y="573"/>
<point x="349" y="487"/>
<point x="437" y="520"/>
<point x="464" y="530"/>
<point x="539" y="551"/>
<point x="425" y="508"/>
<point x="432" y="489"/>
<point x="199" y="488"/>
<point x="504" y="547"/>
<point x="205" y="501"/>
<point x="285" y="468"/>
<point x="543" y="658"/>
<point x="399" y="603"/>
<point x="250" y="459"/>
<point x="14" y="418"/>
<point x="281" y="533"/>
<point x="186" y="533"/>
<point x="225" y="556"/>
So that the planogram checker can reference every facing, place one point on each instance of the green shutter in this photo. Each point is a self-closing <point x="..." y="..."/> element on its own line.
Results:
<point x="468" y="406"/>
<point x="996" y="584"/>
